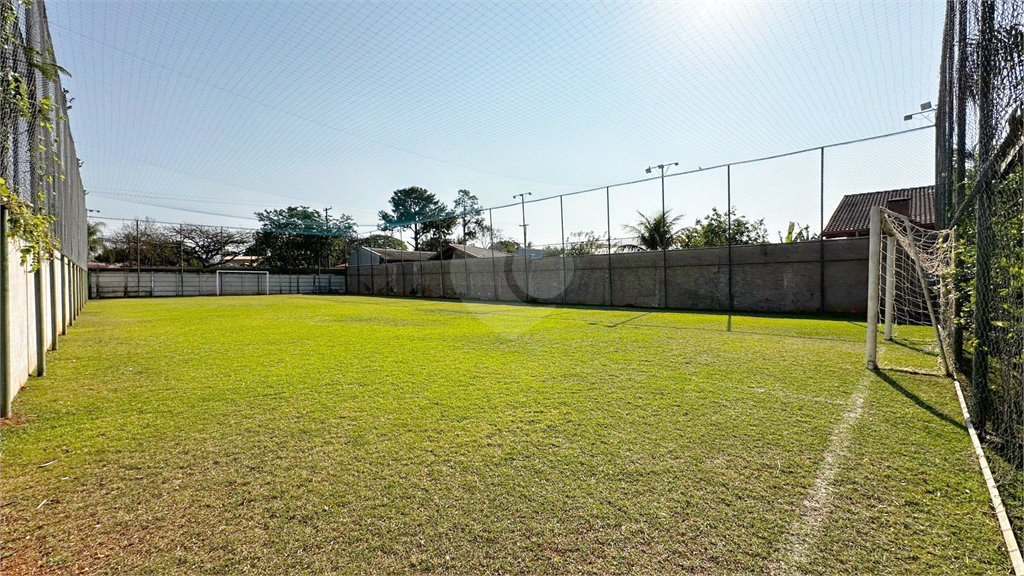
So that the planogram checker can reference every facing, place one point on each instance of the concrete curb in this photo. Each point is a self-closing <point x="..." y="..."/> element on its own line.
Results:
<point x="993" y="491"/>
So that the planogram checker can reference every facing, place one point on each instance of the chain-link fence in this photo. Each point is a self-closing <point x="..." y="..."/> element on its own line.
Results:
<point x="979" y="194"/>
<point x="37" y="156"/>
<point x="744" y="236"/>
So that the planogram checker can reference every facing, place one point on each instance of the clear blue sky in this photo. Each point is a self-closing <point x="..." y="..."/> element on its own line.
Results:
<point x="205" y="112"/>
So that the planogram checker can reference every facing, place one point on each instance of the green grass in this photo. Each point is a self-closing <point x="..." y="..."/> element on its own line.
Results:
<point x="301" y="434"/>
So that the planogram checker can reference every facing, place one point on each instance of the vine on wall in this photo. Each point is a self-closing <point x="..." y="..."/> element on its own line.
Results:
<point x="32" y="227"/>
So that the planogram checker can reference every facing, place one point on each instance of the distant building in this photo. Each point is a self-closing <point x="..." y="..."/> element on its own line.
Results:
<point x="851" y="216"/>
<point x="533" y="253"/>
<point x="463" y="251"/>
<point x="364" y="256"/>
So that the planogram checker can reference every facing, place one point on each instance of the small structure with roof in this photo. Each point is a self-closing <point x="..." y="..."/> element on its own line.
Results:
<point x="463" y="251"/>
<point x="851" y="216"/>
<point x="364" y="256"/>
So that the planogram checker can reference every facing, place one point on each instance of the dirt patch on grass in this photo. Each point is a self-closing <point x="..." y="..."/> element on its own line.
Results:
<point x="15" y="420"/>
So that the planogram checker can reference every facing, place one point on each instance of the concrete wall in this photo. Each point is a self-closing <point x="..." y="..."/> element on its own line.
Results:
<point x="63" y="295"/>
<point x="145" y="284"/>
<point x="774" y="278"/>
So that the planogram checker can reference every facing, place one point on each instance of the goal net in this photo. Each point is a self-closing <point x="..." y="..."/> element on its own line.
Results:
<point x="910" y="286"/>
<point x="242" y="282"/>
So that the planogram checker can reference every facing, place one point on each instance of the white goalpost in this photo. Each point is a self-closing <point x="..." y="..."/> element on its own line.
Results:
<point x="909" y="284"/>
<point x="239" y="282"/>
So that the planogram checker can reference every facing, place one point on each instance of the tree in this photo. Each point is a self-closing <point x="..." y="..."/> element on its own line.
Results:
<point x="716" y="230"/>
<point x="210" y="245"/>
<point x="414" y="209"/>
<point x="471" y="217"/>
<point x="652" y="232"/>
<point x="141" y="243"/>
<point x="378" y="241"/>
<point x="505" y="245"/>
<point x="797" y="233"/>
<point x="579" y="244"/>
<point x="437" y="233"/>
<point x="95" y="240"/>
<point x="299" y="238"/>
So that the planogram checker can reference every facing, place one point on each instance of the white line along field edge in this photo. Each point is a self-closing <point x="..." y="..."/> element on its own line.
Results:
<point x="993" y="491"/>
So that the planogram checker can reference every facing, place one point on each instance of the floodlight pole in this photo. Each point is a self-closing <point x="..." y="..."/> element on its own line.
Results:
<point x="526" y="255"/>
<point x="664" y="245"/>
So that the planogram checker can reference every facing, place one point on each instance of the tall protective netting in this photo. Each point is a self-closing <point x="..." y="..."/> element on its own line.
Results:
<point x="980" y="196"/>
<point x="37" y="154"/>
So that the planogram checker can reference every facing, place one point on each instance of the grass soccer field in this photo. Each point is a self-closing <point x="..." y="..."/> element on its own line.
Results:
<point x="314" y="434"/>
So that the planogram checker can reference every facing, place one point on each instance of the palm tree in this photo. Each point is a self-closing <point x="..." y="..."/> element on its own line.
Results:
<point x="94" y="231"/>
<point x="652" y="232"/>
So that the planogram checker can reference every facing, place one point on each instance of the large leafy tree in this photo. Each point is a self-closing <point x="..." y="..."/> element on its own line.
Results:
<point x="656" y="232"/>
<point x="142" y="243"/>
<point x="419" y="211"/>
<point x="379" y="241"/>
<point x="299" y="238"/>
<point x="211" y="245"/>
<point x="715" y="229"/>
<point x="470" y="217"/>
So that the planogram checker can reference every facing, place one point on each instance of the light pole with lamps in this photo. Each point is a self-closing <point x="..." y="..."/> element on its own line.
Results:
<point x="665" y="240"/>
<point x="526" y="255"/>
<point x="662" y="168"/>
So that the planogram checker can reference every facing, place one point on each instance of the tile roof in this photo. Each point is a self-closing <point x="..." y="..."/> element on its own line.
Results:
<point x="851" y="216"/>
<point x="469" y="251"/>
<point x="392" y="255"/>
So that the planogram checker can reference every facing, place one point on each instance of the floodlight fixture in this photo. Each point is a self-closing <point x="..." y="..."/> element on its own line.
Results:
<point x="926" y="106"/>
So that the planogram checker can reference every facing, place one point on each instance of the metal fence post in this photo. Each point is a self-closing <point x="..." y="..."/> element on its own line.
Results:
<point x="608" y="214"/>
<point x="494" y="269"/>
<point x="821" y="235"/>
<point x="561" y="220"/>
<point x="728" y="237"/>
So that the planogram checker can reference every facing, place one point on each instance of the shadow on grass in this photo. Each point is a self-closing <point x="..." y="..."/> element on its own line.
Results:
<point x="917" y="400"/>
<point x="921" y="349"/>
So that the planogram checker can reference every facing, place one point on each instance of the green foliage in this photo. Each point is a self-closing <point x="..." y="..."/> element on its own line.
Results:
<point x="655" y="232"/>
<point x="578" y="244"/>
<point x="31" y="228"/>
<point x="470" y="218"/>
<point x="509" y="245"/>
<point x="716" y="230"/>
<point x="298" y="238"/>
<point x="419" y="211"/>
<point x="378" y="241"/>
<point x="797" y="233"/>
<point x="94" y="235"/>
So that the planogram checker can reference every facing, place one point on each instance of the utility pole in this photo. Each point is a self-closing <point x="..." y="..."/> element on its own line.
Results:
<point x="138" y="259"/>
<point x="522" y="199"/>
<point x="327" y="231"/>
<point x="526" y="255"/>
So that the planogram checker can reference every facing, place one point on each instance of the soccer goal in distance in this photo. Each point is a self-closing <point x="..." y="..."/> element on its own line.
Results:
<point x="242" y="282"/>
<point x="909" y="285"/>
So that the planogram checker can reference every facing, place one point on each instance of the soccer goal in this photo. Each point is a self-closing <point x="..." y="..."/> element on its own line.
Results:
<point x="242" y="282"/>
<point x="909" y="285"/>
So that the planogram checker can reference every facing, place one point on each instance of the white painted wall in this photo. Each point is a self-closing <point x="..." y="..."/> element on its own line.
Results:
<point x="19" y="353"/>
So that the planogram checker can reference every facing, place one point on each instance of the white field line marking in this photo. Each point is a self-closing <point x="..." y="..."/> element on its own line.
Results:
<point x="993" y="491"/>
<point x="806" y="528"/>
